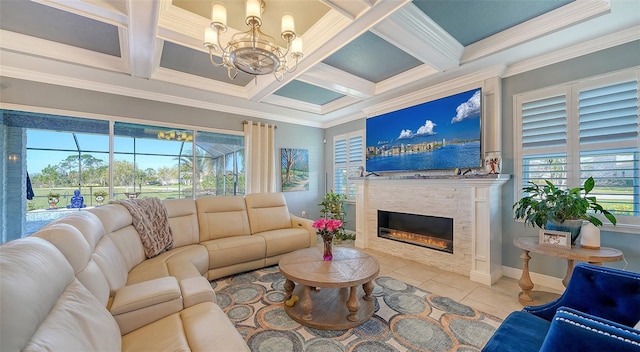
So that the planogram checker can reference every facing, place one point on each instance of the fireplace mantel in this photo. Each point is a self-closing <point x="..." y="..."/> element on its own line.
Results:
<point x="472" y="201"/>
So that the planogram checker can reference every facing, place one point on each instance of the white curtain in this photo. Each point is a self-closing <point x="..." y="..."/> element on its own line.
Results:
<point x="259" y="151"/>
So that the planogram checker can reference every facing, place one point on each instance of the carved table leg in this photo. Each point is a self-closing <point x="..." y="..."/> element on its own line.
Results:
<point x="525" y="282"/>
<point x="353" y="304"/>
<point x="567" y="276"/>
<point x="305" y="303"/>
<point x="288" y="288"/>
<point x="368" y="288"/>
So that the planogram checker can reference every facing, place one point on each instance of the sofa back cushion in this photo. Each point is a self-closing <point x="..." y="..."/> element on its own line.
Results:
<point x="44" y="307"/>
<point x="118" y="226"/>
<point x="183" y="220"/>
<point x="78" y="253"/>
<point x="223" y="216"/>
<point x="267" y="211"/>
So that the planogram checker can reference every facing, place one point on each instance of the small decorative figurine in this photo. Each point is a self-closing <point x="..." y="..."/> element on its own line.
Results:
<point x="77" y="201"/>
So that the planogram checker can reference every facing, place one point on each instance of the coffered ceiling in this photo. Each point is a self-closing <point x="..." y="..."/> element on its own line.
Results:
<point x="357" y="53"/>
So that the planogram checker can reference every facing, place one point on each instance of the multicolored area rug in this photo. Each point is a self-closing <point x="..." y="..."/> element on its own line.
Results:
<point x="406" y="319"/>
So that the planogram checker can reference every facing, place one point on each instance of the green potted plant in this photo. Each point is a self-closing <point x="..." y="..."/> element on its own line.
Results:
<point x="333" y="208"/>
<point x="549" y="207"/>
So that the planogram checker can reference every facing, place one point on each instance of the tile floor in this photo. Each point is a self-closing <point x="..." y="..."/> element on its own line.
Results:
<point x="499" y="299"/>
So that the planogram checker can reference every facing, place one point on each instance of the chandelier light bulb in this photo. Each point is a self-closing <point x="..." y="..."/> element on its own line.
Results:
<point x="210" y="37"/>
<point x="219" y="14"/>
<point x="253" y="8"/>
<point x="288" y="24"/>
<point x="296" y="47"/>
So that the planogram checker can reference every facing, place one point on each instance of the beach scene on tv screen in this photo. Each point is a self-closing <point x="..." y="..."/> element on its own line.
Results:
<point x="436" y="135"/>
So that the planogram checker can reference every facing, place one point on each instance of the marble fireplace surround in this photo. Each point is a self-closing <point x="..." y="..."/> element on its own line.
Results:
<point x="472" y="201"/>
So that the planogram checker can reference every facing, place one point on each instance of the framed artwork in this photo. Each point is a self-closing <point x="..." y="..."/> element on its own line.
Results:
<point x="553" y="238"/>
<point x="294" y="169"/>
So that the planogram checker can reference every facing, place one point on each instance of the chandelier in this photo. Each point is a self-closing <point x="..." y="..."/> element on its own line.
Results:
<point x="180" y="136"/>
<point x="252" y="51"/>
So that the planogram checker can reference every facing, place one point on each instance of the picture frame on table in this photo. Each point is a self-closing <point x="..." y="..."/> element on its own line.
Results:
<point x="552" y="238"/>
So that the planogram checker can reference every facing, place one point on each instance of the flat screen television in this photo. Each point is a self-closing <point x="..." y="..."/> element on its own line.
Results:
<point x="436" y="135"/>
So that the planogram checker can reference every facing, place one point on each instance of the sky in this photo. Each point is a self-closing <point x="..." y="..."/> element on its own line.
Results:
<point x="456" y="116"/>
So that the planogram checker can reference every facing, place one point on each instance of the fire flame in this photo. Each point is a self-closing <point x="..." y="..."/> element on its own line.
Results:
<point x="421" y="239"/>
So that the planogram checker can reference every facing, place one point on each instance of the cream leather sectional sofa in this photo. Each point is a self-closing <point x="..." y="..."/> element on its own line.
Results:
<point x="83" y="283"/>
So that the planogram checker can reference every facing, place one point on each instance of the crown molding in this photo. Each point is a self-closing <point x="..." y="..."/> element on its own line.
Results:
<point x="585" y="48"/>
<point x="331" y="78"/>
<point x="292" y="103"/>
<point x="142" y="90"/>
<point x="197" y="82"/>
<point x="62" y="52"/>
<point x="572" y="13"/>
<point x="345" y="119"/>
<point x="351" y="9"/>
<point x="397" y="81"/>
<point x="338" y="104"/>
<point x="178" y="25"/>
<point x="123" y="38"/>
<point x="102" y="11"/>
<point x="417" y="34"/>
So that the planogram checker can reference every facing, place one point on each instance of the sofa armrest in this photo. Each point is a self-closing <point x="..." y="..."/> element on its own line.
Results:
<point x="196" y="290"/>
<point x="139" y="304"/>
<point x="612" y="295"/>
<point x="297" y="221"/>
<point x="572" y="330"/>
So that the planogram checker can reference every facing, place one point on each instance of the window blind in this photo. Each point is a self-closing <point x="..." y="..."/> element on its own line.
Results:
<point x="544" y="123"/>
<point x="348" y="158"/>
<point x="609" y="116"/>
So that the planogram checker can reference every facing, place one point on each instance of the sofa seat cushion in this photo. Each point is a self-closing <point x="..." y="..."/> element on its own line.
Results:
<point x="203" y="327"/>
<point x="285" y="240"/>
<point x="160" y="266"/>
<point x="521" y="329"/>
<point x="234" y="250"/>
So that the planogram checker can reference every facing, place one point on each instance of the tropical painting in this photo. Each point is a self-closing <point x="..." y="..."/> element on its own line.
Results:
<point x="295" y="169"/>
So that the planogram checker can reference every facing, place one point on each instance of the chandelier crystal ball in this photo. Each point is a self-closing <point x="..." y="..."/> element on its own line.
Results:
<point x="252" y="51"/>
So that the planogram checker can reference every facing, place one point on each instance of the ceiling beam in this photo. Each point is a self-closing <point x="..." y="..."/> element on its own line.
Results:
<point x="565" y="16"/>
<point x="143" y="20"/>
<point x="328" y="77"/>
<point x="418" y="35"/>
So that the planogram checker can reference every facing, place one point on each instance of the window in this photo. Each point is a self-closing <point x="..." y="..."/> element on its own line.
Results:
<point x="584" y="129"/>
<point x="120" y="159"/>
<point x="220" y="164"/>
<point x="348" y="160"/>
<point x="151" y="161"/>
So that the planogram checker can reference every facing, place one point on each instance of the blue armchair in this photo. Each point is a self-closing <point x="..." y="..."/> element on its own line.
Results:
<point x="597" y="312"/>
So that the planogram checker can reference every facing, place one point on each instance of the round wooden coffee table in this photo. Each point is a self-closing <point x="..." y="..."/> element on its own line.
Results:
<point x="334" y="295"/>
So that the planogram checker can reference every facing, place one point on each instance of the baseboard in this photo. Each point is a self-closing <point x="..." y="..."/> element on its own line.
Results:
<point x="538" y="279"/>
<point x="485" y="279"/>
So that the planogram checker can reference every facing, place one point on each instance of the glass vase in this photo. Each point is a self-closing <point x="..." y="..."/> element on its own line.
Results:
<point x="328" y="247"/>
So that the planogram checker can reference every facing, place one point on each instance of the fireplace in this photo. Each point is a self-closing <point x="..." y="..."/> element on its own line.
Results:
<point x="432" y="232"/>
